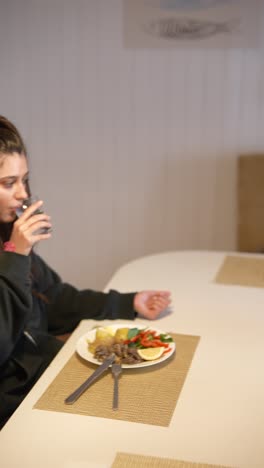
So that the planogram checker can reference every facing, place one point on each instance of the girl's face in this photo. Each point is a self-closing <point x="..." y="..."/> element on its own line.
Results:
<point x="13" y="182"/>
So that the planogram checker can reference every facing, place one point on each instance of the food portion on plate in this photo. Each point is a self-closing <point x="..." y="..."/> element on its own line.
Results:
<point x="131" y="346"/>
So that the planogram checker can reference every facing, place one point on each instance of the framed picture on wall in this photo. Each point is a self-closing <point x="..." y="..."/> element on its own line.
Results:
<point x="191" y="23"/>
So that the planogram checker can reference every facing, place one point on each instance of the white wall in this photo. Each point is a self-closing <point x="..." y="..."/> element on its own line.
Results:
<point x="133" y="151"/>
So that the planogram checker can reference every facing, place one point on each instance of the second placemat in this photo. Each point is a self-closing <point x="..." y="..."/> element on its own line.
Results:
<point x="129" y="460"/>
<point x="147" y="395"/>
<point x="241" y="271"/>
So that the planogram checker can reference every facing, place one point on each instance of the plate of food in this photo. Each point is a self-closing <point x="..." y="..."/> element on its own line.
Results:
<point x="134" y="345"/>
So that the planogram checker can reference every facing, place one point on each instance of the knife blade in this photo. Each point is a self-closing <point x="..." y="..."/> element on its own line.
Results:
<point x="79" y="391"/>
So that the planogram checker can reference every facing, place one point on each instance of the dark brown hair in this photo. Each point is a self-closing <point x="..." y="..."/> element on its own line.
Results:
<point x="10" y="138"/>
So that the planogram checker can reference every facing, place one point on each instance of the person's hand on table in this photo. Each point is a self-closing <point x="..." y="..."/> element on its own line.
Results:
<point x="150" y="304"/>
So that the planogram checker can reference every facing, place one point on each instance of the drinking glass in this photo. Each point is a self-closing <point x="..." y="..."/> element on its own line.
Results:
<point x="28" y="202"/>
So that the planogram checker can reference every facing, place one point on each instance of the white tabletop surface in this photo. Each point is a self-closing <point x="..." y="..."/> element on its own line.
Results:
<point x="219" y="417"/>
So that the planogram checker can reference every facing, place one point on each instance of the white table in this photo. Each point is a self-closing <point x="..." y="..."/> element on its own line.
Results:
<point x="219" y="417"/>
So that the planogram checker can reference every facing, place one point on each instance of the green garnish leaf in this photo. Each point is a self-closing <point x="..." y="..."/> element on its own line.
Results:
<point x="132" y="332"/>
<point x="166" y="338"/>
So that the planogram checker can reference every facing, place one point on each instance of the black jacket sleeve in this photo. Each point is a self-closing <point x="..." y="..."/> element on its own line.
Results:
<point x="67" y="305"/>
<point x="15" y="300"/>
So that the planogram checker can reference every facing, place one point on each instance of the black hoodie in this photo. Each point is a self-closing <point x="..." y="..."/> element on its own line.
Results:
<point x="35" y="305"/>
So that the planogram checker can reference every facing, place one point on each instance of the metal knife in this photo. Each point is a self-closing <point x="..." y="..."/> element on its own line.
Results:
<point x="78" y="392"/>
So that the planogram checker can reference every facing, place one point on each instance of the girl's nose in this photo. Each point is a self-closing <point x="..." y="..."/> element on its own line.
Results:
<point x="21" y="192"/>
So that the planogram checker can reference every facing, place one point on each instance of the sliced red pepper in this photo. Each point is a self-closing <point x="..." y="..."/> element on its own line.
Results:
<point x="132" y="340"/>
<point x="158" y="343"/>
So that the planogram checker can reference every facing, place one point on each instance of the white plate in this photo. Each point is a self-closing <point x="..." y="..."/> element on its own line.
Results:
<point x="82" y="347"/>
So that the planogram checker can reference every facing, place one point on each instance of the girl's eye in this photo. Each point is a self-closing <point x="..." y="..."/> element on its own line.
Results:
<point x="8" y="184"/>
<point x="25" y="181"/>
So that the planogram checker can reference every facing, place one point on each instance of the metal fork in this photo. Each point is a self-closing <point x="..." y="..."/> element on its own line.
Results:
<point x="116" y="371"/>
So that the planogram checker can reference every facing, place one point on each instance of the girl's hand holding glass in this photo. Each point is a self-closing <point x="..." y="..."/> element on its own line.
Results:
<point x="32" y="226"/>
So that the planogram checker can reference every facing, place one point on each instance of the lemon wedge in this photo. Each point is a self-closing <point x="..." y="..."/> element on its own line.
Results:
<point x="150" y="354"/>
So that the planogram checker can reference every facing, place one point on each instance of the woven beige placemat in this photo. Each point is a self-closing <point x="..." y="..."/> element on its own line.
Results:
<point x="127" y="460"/>
<point x="146" y="395"/>
<point x="242" y="271"/>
